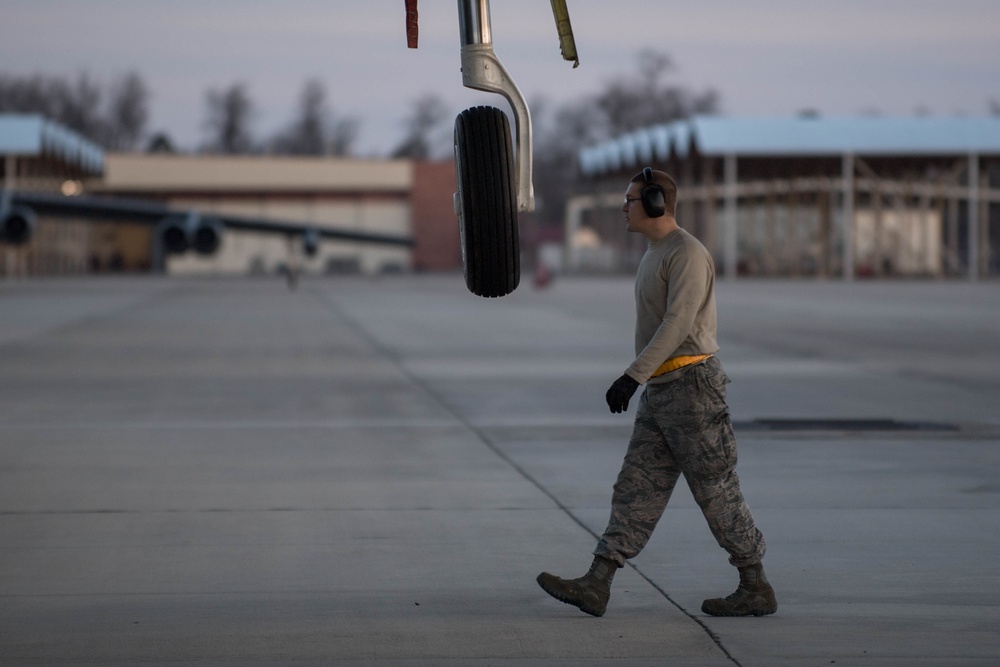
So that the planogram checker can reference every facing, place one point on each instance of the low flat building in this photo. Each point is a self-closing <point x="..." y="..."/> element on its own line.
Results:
<point x="807" y="196"/>
<point x="358" y="195"/>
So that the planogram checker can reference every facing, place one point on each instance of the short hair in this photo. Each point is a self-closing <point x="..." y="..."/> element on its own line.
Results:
<point x="668" y="185"/>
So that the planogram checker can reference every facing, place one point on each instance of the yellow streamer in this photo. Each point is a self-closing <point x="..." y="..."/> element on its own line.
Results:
<point x="567" y="45"/>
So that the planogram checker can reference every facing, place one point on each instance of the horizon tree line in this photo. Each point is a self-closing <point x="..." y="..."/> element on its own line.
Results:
<point x="116" y="116"/>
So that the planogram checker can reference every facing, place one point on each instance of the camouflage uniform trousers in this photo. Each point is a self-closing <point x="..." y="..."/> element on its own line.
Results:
<point x="682" y="427"/>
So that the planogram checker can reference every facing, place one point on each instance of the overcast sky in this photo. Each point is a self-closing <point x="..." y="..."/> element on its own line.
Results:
<point x="768" y="57"/>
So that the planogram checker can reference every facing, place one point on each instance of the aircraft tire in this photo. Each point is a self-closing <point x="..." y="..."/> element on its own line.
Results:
<point x="486" y="202"/>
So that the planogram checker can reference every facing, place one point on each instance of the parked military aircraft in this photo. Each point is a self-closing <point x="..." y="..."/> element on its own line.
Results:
<point x="493" y="176"/>
<point x="177" y="231"/>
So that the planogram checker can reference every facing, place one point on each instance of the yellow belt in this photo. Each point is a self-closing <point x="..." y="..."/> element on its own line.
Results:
<point x="674" y="363"/>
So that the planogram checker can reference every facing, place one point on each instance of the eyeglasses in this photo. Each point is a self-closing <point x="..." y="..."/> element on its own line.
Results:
<point x="629" y="200"/>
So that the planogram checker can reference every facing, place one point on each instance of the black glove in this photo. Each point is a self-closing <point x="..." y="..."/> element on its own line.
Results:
<point x="619" y="393"/>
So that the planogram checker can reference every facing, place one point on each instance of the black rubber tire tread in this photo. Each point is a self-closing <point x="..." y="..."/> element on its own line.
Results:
<point x="488" y="198"/>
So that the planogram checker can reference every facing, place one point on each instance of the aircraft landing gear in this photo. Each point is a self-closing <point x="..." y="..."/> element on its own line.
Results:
<point x="486" y="202"/>
<point x="492" y="187"/>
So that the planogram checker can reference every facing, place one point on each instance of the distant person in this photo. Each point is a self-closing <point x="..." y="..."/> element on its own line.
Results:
<point x="682" y="425"/>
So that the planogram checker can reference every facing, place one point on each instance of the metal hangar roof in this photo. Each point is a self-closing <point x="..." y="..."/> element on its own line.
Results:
<point x="800" y="136"/>
<point x="32" y="135"/>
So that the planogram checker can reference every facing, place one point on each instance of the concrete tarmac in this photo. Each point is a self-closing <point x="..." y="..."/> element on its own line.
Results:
<point x="373" y="472"/>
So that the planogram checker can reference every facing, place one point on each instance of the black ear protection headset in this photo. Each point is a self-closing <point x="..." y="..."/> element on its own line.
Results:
<point x="653" y="198"/>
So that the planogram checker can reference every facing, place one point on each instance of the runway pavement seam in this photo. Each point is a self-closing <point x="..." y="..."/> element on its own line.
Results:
<point x="280" y="425"/>
<point x="807" y="353"/>
<point x="884" y="541"/>
<point x="262" y="510"/>
<point x="745" y="429"/>
<point x="967" y="384"/>
<point x="483" y="437"/>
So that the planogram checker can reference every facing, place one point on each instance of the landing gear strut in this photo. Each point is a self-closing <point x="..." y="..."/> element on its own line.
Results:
<point x="493" y="169"/>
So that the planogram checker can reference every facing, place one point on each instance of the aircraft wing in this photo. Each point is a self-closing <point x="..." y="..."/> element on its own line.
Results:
<point x="179" y="228"/>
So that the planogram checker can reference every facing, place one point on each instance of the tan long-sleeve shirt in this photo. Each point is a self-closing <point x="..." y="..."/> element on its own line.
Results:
<point x="674" y="304"/>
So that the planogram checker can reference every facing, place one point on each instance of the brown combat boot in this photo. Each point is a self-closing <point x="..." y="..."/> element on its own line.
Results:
<point x="753" y="597"/>
<point x="590" y="593"/>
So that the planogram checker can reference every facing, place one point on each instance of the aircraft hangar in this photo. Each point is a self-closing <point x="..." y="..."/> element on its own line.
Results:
<point x="807" y="196"/>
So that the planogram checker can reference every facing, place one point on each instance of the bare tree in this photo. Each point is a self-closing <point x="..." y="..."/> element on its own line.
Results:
<point x="78" y="105"/>
<point x="33" y="94"/>
<point x="317" y="130"/>
<point x="631" y="103"/>
<point x="345" y="132"/>
<point x="75" y="106"/>
<point x="308" y="134"/>
<point x="628" y="103"/>
<point x="428" y="115"/>
<point x="228" y="123"/>
<point x="128" y="112"/>
<point x="160" y="142"/>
